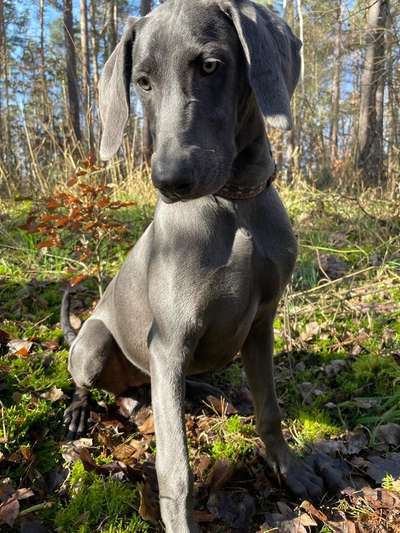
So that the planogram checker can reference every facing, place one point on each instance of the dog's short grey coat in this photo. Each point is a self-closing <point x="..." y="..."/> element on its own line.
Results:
<point x="204" y="281"/>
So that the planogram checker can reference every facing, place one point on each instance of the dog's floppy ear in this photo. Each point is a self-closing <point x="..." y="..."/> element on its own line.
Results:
<point x="272" y="55"/>
<point x="114" y="92"/>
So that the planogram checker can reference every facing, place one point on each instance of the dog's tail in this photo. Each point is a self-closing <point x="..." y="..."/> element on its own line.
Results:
<point x="70" y="333"/>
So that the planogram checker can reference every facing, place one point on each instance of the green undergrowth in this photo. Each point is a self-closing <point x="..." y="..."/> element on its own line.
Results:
<point x="234" y="439"/>
<point x="99" y="504"/>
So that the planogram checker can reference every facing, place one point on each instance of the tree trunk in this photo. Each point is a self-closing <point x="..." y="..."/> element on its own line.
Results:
<point x="145" y="7"/>
<point x="111" y="29"/>
<point x="43" y="80"/>
<point x="299" y="4"/>
<point x="394" y="138"/>
<point x="370" y="130"/>
<point x="337" y="74"/>
<point x="95" y="44"/>
<point x="87" y="93"/>
<point x="5" y="96"/>
<point x="71" y="73"/>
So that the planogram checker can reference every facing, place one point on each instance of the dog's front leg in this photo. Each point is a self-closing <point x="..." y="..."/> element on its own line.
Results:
<point x="258" y="362"/>
<point x="173" y="472"/>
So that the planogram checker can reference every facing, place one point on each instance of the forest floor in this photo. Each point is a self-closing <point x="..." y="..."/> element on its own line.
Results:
<point x="337" y="370"/>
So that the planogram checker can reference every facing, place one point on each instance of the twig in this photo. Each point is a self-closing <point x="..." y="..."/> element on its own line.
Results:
<point x="35" y="508"/>
<point x="330" y="283"/>
<point x="5" y="437"/>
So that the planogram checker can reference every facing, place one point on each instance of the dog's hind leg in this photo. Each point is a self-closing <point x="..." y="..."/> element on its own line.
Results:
<point x="96" y="361"/>
<point x="257" y="359"/>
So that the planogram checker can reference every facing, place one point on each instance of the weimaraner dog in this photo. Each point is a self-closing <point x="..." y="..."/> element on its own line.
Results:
<point x="204" y="281"/>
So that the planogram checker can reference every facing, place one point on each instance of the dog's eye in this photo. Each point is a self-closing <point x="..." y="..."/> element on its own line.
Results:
<point x="209" y="66"/>
<point x="144" y="83"/>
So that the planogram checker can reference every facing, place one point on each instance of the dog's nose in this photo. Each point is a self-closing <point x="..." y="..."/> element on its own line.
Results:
<point x="172" y="176"/>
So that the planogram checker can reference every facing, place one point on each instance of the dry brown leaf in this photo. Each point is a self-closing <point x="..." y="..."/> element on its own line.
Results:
<point x="52" y="346"/>
<point x="221" y="405"/>
<point x="20" y="348"/>
<point x="219" y="474"/>
<point x="311" y="330"/>
<point x="309" y="508"/>
<point x="149" y="508"/>
<point x="307" y="521"/>
<point x="342" y="525"/>
<point x="54" y="395"/>
<point x="126" y="454"/>
<point x="23" y="494"/>
<point x="378" y="498"/>
<point x="388" y="434"/>
<point x="147" y="428"/>
<point x="127" y="406"/>
<point x="203" y="465"/>
<point x="9" y="511"/>
<point x="75" y="321"/>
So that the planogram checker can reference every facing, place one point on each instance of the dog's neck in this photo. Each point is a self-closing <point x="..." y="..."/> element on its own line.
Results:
<point x="254" y="167"/>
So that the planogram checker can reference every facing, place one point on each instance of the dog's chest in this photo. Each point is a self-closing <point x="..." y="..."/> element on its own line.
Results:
<point x="230" y="298"/>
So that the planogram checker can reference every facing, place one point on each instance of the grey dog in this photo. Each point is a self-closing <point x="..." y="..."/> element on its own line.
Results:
<point x="204" y="281"/>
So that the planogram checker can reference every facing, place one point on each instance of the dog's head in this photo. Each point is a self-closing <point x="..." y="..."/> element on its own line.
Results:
<point x="195" y="64"/>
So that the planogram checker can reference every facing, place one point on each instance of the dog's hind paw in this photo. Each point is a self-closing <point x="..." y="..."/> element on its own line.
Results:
<point x="76" y="415"/>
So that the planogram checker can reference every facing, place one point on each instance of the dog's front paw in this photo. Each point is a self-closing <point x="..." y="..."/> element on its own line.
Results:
<point x="76" y="415"/>
<point x="307" y="478"/>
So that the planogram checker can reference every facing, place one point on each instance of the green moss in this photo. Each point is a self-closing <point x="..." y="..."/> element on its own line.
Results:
<point x="313" y="425"/>
<point x="373" y="375"/>
<point x="20" y="418"/>
<point x="234" y="440"/>
<point x="101" y="504"/>
<point x="390" y="483"/>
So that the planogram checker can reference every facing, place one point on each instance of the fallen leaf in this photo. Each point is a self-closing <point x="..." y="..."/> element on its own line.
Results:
<point x="54" y="395"/>
<point x="311" y="330"/>
<point x="378" y="467"/>
<point x="335" y="367"/>
<point x="127" y="406"/>
<point x="129" y="453"/>
<point x="77" y="279"/>
<point x="307" y="521"/>
<point x="235" y="509"/>
<point x="203" y="465"/>
<point x="219" y="474"/>
<point x="221" y="406"/>
<point x="9" y="511"/>
<point x="377" y="498"/>
<point x="149" y="508"/>
<point x="333" y="266"/>
<point x="282" y="524"/>
<point x="20" y="348"/>
<point x="71" y="450"/>
<point x="23" y="494"/>
<point x="356" y="442"/>
<point x="147" y="428"/>
<point x="75" y="321"/>
<point x="388" y="434"/>
<point x="52" y="346"/>
<point x="342" y="525"/>
<point x="309" y="508"/>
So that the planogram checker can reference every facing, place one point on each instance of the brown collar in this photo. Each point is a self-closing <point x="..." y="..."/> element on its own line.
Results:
<point x="230" y="191"/>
